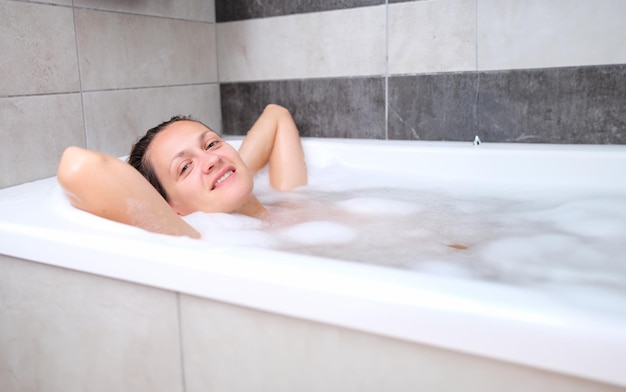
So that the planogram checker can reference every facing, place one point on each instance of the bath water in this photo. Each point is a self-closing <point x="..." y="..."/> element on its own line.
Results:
<point x="515" y="236"/>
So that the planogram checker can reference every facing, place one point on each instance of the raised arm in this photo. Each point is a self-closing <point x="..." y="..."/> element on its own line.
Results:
<point x="105" y="186"/>
<point x="274" y="138"/>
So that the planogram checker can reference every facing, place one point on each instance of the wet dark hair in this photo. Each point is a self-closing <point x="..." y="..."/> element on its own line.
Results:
<point x="138" y="158"/>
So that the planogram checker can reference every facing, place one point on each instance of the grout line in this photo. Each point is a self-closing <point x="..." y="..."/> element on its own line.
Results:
<point x="35" y="2"/>
<point x="151" y="87"/>
<point x="476" y="34"/>
<point x="180" y="342"/>
<point x="135" y="13"/>
<point x="477" y="99"/>
<point x="80" y="78"/>
<point x="387" y="70"/>
<point x="217" y="73"/>
<point x="105" y="90"/>
<point x="35" y="95"/>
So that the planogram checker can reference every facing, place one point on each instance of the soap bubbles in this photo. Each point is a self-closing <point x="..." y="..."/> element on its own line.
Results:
<point x="555" y="241"/>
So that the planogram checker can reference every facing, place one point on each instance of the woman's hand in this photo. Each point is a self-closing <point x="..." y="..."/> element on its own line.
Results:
<point x="274" y="139"/>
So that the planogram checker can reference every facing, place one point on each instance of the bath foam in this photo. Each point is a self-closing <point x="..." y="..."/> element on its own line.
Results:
<point x="230" y="229"/>
<point x="563" y="244"/>
<point x="514" y="238"/>
<point x="319" y="233"/>
<point x="368" y="205"/>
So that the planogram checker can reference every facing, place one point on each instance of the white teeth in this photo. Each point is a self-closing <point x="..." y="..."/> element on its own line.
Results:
<point x="224" y="177"/>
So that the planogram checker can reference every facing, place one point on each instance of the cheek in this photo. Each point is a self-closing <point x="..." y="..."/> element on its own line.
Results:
<point x="233" y="156"/>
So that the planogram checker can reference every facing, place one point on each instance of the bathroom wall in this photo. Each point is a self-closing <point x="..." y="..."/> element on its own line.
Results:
<point x="98" y="74"/>
<point x="508" y="71"/>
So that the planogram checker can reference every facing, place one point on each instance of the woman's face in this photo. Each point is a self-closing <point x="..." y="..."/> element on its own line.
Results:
<point x="199" y="171"/>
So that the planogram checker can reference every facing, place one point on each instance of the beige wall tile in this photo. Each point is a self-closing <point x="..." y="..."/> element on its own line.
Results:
<point x="122" y="51"/>
<point x="115" y="119"/>
<point x="35" y="131"/>
<point x="229" y="348"/>
<point x="200" y="10"/>
<point x="432" y="36"/>
<point x="38" y="49"/>
<point x="536" y="34"/>
<point x="62" y="330"/>
<point x="326" y="44"/>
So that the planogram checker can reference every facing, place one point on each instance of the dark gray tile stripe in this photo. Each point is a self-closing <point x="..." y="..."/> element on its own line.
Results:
<point x="433" y="107"/>
<point x="229" y="10"/>
<point x="559" y="105"/>
<point x="347" y="108"/>
<point x="555" y="105"/>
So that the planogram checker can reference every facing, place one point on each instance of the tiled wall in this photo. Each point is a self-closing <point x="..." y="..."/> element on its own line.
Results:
<point x="508" y="71"/>
<point x="98" y="74"/>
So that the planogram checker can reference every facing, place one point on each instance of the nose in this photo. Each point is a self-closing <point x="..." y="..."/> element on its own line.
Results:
<point x="208" y="160"/>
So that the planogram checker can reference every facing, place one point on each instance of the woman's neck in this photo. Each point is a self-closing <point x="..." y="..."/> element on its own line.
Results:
<point x="252" y="207"/>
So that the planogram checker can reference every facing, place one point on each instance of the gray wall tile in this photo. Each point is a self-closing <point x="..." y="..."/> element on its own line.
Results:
<point x="351" y="108"/>
<point x="32" y="63"/>
<point x="115" y="119"/>
<point x="231" y="348"/>
<point x="122" y="50"/>
<point x="321" y="45"/>
<point x="432" y="36"/>
<point x="62" y="330"/>
<point x="228" y="10"/>
<point x="558" y="33"/>
<point x="35" y="131"/>
<point x="433" y="107"/>
<point x="557" y="105"/>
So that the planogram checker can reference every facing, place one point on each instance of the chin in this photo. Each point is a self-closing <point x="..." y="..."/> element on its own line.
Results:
<point x="228" y="200"/>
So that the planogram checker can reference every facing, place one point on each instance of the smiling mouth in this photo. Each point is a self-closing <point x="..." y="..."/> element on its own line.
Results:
<point x="223" y="178"/>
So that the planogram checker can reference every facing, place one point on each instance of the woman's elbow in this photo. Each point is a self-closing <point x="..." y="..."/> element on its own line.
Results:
<point x="277" y="110"/>
<point x="79" y="168"/>
<point x="275" y="106"/>
<point x="70" y="164"/>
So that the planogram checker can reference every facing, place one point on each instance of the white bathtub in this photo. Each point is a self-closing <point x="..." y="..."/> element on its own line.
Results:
<point x="509" y="323"/>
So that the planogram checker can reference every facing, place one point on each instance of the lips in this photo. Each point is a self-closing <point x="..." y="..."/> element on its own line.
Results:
<point x="223" y="177"/>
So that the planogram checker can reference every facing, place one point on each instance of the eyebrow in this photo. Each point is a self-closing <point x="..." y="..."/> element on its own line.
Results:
<point x="182" y="153"/>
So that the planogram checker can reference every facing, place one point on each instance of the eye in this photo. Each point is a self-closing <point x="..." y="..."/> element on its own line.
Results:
<point x="185" y="167"/>
<point x="211" y="144"/>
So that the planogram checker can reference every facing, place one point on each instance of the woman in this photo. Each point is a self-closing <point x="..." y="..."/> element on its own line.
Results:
<point x="188" y="168"/>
